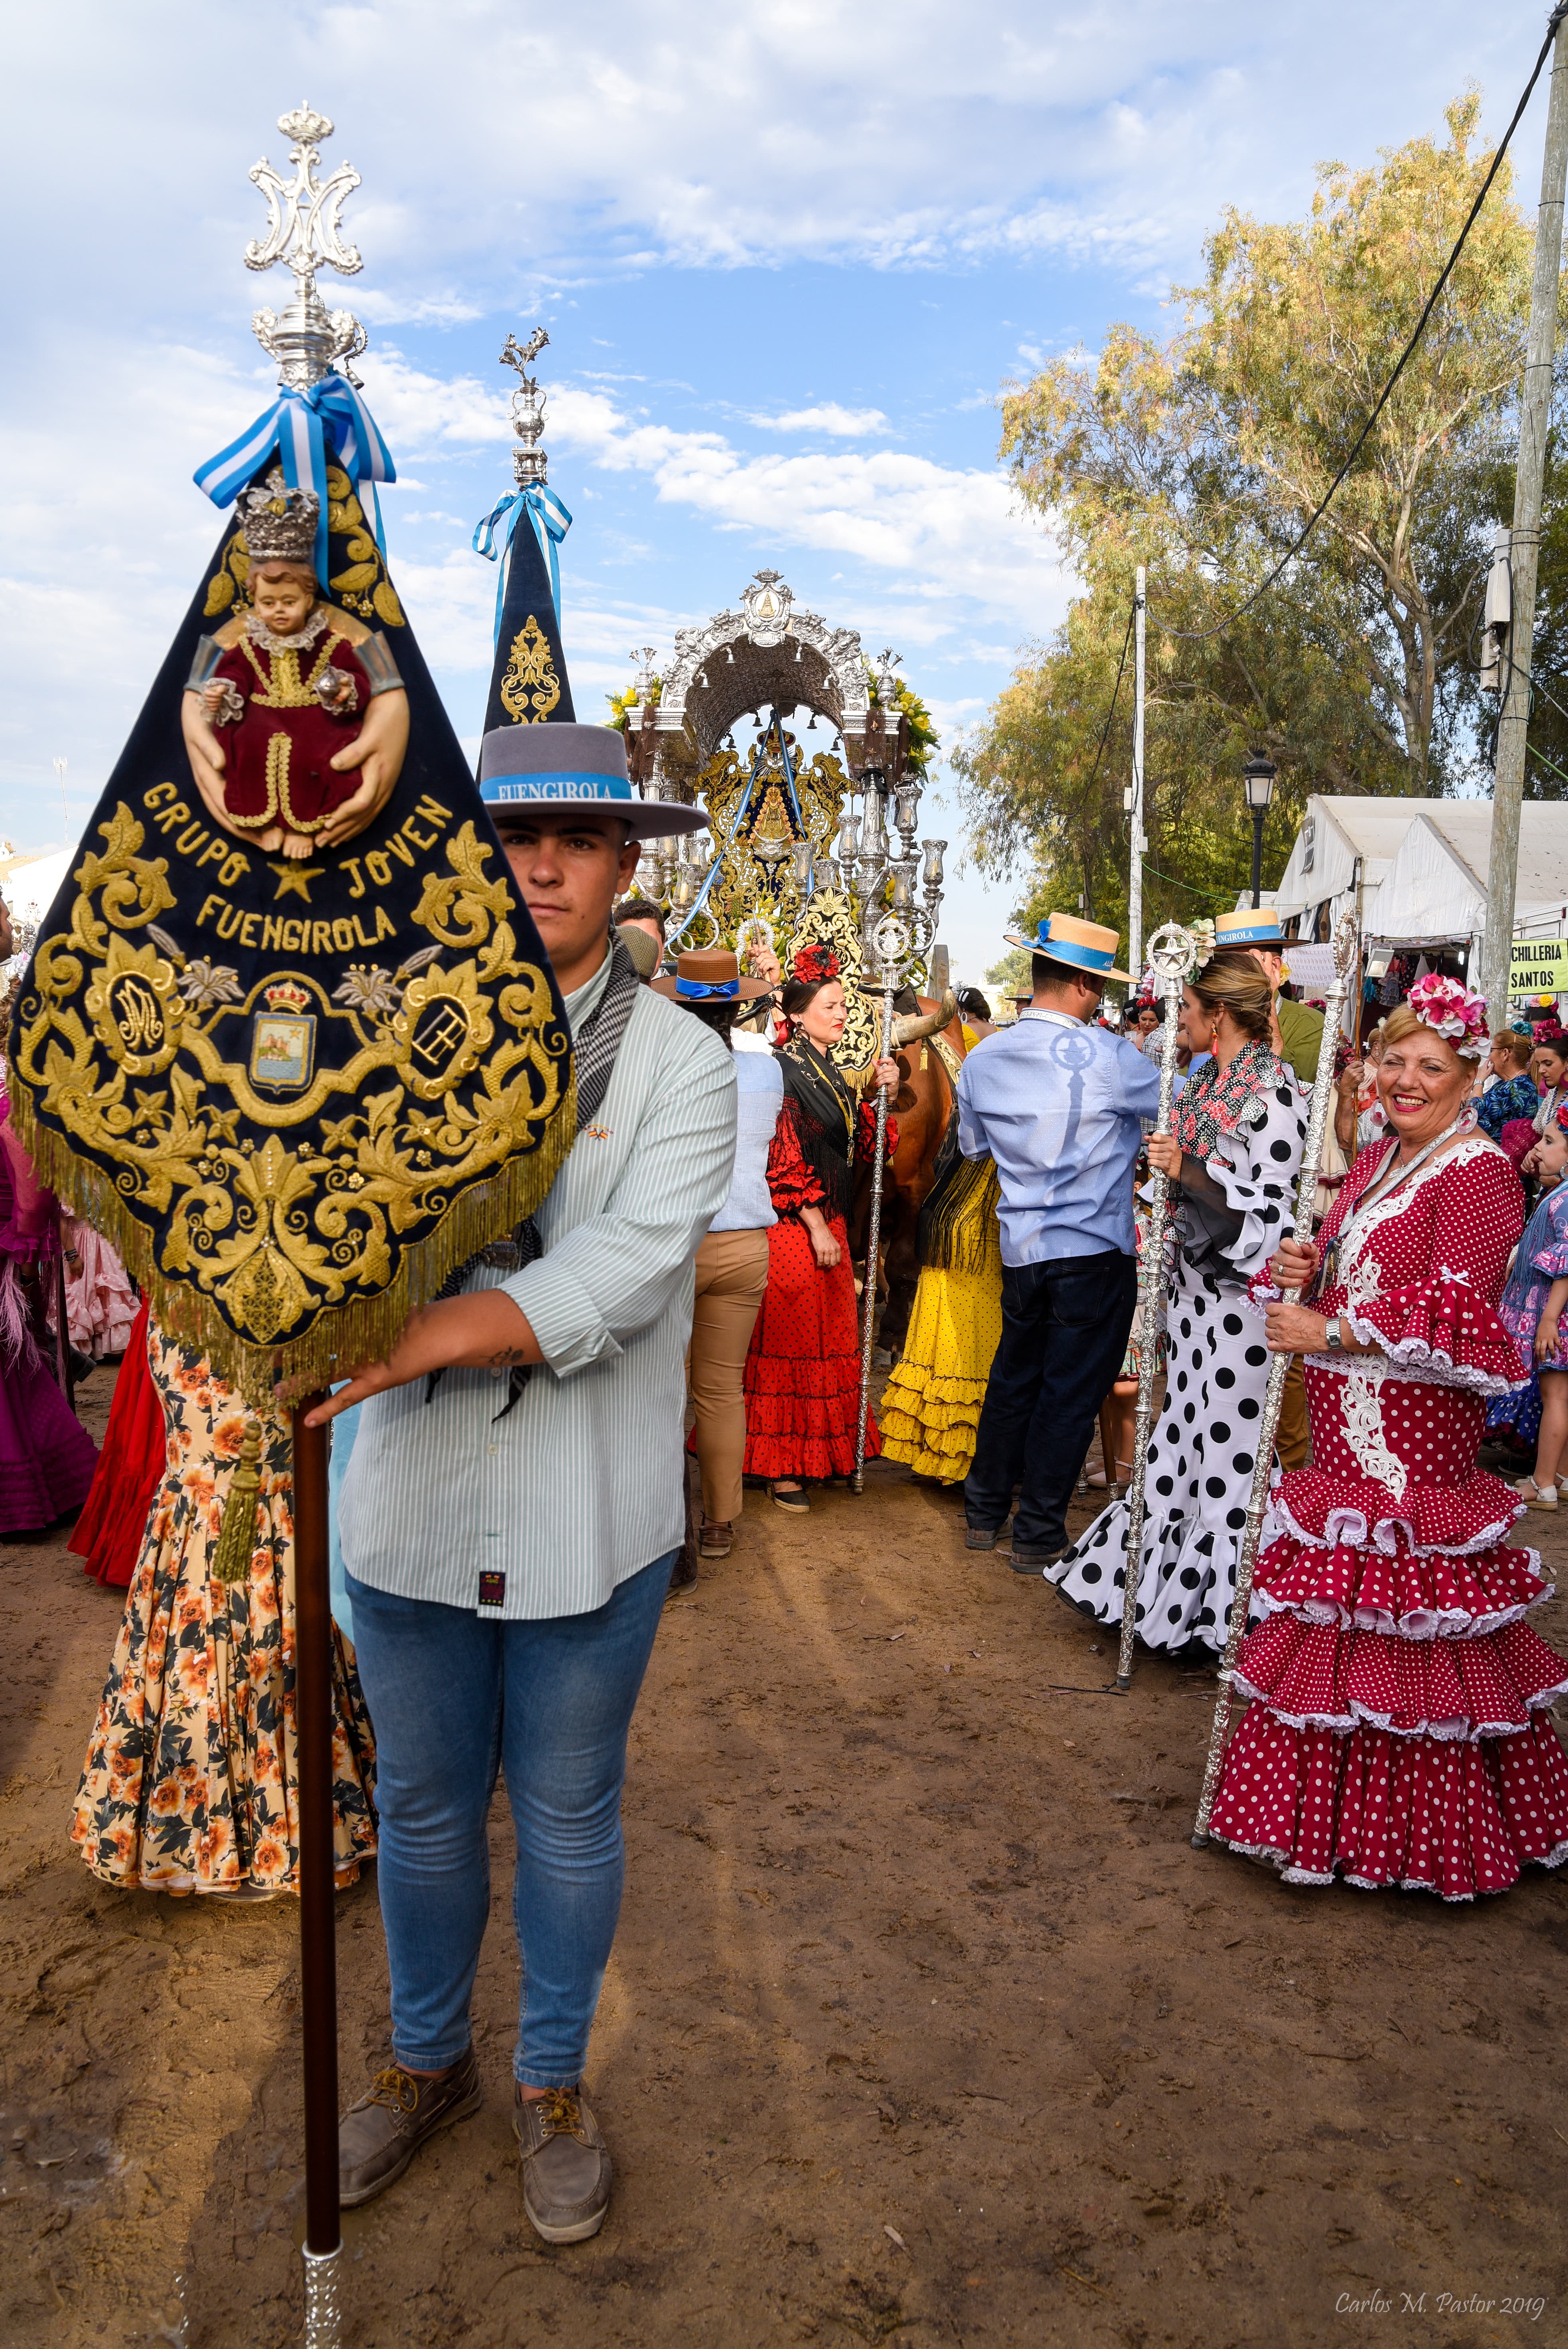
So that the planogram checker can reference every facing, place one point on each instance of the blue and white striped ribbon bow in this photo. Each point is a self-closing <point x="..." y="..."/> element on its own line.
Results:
<point x="551" y="524"/>
<point x="296" y="426"/>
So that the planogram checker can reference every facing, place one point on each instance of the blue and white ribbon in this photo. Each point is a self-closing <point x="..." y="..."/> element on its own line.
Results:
<point x="551" y="524"/>
<point x="296" y="426"/>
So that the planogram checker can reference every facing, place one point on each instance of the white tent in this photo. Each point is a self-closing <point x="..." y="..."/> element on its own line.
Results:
<point x="30" y="884"/>
<point x="1344" y="838"/>
<point x="1434" y="893"/>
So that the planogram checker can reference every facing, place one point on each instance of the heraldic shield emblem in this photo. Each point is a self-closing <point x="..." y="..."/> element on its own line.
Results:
<point x="295" y="1082"/>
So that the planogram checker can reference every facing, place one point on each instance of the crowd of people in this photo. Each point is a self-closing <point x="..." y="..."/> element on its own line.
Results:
<point x="510" y="1484"/>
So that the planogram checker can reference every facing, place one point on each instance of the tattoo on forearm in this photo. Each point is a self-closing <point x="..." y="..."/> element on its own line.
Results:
<point x="506" y="1357"/>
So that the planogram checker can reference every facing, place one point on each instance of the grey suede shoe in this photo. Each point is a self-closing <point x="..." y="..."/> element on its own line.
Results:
<point x="565" y="2165"/>
<point x="379" y="2136"/>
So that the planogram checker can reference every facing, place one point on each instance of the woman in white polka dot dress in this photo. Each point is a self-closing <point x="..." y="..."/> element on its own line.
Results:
<point x="1232" y="1156"/>
<point x="1397" y="1731"/>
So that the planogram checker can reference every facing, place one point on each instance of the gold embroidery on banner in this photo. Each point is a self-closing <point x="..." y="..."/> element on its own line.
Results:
<point x="361" y="584"/>
<point x="278" y="751"/>
<point x="282" y="688"/>
<point x="145" y="1094"/>
<point x="229" y="582"/>
<point x="530" y="688"/>
<point x="294" y="880"/>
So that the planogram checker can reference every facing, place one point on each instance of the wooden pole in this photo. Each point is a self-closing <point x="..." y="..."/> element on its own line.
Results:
<point x="317" y="1919"/>
<point x="1525" y="544"/>
<point x="1140" y="840"/>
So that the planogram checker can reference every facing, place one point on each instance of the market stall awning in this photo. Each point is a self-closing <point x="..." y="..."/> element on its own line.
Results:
<point x="1435" y="890"/>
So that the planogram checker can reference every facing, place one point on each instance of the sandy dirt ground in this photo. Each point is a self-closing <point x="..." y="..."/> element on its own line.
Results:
<point x="926" y="2024"/>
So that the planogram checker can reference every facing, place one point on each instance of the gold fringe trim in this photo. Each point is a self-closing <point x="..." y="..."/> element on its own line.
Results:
<point x="341" y="1337"/>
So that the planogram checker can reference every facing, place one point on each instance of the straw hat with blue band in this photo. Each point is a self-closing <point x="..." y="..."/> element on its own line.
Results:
<point x="1086" y="947"/>
<point x="1255" y="925"/>
<point x="709" y="977"/>
<point x="559" y="769"/>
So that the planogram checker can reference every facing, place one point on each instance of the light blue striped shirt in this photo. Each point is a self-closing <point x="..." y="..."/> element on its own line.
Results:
<point x="1059" y="1106"/>
<point x="580" y="1485"/>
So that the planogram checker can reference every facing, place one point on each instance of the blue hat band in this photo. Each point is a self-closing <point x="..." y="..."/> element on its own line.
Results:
<point x="1069" y="950"/>
<point x="720" y="991"/>
<point x="1264" y="932"/>
<point x="604" y="791"/>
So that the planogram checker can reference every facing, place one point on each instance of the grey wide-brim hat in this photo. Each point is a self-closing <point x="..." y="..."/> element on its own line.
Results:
<point x="563" y="769"/>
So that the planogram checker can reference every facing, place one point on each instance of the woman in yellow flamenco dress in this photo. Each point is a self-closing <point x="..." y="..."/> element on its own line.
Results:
<point x="931" y="1407"/>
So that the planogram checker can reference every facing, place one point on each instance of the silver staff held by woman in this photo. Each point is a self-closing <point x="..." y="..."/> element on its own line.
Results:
<point x="1345" y="961"/>
<point x="1172" y="954"/>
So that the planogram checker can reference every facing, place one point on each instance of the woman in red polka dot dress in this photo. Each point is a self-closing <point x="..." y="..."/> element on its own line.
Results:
<point x="803" y="1372"/>
<point x="1397" y="1733"/>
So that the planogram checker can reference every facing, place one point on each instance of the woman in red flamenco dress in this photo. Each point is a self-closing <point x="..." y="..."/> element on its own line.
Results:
<point x="1396" y="1732"/>
<point x="108" y="1534"/>
<point x="803" y="1371"/>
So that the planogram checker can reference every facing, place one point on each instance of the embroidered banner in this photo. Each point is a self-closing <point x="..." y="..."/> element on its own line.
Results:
<point x="294" y="1090"/>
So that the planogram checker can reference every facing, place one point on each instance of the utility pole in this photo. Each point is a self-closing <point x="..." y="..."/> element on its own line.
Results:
<point x="59" y="766"/>
<point x="1535" y="407"/>
<point x="1135" y="792"/>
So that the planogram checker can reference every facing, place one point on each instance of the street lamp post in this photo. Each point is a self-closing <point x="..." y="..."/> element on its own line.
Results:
<point x="1258" y="775"/>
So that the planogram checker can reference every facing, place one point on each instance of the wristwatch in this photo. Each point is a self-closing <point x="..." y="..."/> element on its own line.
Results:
<point x="1334" y="1336"/>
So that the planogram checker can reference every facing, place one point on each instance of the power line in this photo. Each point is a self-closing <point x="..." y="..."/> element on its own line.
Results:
<point x="1116" y="689"/>
<point x="1199" y="635"/>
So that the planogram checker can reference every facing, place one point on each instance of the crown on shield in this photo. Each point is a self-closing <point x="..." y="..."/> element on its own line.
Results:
<point x="279" y="522"/>
<point x="286" y="995"/>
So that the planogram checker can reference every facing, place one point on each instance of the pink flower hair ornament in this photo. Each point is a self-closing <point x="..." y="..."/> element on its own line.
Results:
<point x="1452" y="1011"/>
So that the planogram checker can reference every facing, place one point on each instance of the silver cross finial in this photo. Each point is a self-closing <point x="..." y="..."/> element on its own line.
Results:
<point x="530" y="462"/>
<point x="304" y="231"/>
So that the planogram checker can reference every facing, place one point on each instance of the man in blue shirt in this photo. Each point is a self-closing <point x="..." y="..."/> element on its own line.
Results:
<point x="1057" y="1103"/>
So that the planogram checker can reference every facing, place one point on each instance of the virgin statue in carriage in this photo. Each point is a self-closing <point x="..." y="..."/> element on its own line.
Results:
<point x="809" y="853"/>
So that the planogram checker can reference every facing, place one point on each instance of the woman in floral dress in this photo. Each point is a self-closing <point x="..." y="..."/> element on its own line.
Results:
<point x="1397" y="1731"/>
<point x="189" y="1784"/>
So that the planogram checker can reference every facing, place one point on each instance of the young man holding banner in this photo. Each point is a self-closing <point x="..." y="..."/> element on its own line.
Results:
<point x="513" y="1508"/>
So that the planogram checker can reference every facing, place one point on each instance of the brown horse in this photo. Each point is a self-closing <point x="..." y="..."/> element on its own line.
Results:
<point x="922" y="1106"/>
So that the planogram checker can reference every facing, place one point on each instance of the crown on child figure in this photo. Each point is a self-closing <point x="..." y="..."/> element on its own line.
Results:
<point x="279" y="524"/>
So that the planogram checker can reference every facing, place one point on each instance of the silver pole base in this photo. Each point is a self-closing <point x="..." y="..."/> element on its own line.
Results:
<point x="323" y="2304"/>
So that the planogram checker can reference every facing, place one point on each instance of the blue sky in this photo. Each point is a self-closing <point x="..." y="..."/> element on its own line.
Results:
<point x="786" y="258"/>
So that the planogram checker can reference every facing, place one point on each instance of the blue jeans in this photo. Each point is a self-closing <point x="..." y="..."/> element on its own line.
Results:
<point x="1065" y="1328"/>
<point x="454" y="1700"/>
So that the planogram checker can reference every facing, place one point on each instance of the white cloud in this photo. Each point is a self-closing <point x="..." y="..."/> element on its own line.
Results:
<point x="945" y="533"/>
<point x="899" y="132"/>
<point x="843" y="423"/>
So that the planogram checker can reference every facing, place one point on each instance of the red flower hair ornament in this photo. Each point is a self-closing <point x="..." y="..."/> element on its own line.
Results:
<point x="814" y="966"/>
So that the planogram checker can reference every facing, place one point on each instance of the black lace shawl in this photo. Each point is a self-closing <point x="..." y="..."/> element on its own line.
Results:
<point x="825" y="1115"/>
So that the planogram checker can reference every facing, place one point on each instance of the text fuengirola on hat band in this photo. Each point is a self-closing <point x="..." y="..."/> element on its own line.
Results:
<point x="1255" y="926"/>
<point x="568" y="767"/>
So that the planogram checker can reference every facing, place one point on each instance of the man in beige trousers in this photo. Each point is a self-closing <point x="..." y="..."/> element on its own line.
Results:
<point x="732" y="1256"/>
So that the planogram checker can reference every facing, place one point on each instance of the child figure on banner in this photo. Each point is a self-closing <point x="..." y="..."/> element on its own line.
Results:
<point x="282" y="691"/>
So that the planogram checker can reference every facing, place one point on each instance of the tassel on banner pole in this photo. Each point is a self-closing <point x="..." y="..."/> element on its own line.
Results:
<point x="1173" y="952"/>
<point x="1345" y="957"/>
